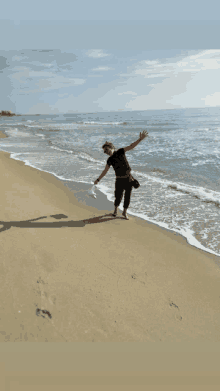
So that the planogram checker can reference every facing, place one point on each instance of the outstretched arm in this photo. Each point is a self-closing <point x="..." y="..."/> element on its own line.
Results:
<point x="133" y="145"/>
<point x="102" y="174"/>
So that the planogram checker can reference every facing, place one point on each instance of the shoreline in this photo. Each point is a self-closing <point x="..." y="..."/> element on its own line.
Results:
<point x="74" y="273"/>
<point x="79" y="189"/>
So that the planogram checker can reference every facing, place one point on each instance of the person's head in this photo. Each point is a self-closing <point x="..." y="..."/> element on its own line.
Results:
<point x="108" y="148"/>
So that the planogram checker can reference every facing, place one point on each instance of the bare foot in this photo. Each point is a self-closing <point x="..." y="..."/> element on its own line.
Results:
<point x="114" y="214"/>
<point x="125" y="215"/>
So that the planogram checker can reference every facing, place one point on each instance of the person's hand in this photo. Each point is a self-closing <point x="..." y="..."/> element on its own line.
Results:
<point x="143" y="135"/>
<point x="95" y="183"/>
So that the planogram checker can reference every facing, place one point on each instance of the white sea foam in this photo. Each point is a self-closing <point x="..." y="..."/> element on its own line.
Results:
<point x="61" y="150"/>
<point x="16" y="156"/>
<point x="103" y="123"/>
<point x="196" y="191"/>
<point x="85" y="156"/>
<point x="31" y="126"/>
<point x="81" y="155"/>
<point x="13" y="124"/>
<point x="105" y="190"/>
<point x="185" y="232"/>
<point x="15" y="132"/>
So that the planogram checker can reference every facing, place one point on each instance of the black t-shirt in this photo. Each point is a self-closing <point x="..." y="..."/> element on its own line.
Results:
<point x="119" y="162"/>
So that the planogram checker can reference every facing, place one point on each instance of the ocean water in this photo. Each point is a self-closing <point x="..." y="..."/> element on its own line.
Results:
<point x="177" y="165"/>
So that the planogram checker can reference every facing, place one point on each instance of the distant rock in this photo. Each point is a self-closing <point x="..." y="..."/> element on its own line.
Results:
<point x="7" y="113"/>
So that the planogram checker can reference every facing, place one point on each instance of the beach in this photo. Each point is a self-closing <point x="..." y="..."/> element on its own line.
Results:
<point x="73" y="273"/>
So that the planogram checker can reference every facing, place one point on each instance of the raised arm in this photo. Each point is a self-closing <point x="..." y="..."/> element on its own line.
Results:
<point x="133" y="145"/>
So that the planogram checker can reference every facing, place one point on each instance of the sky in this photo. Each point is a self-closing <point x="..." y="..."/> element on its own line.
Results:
<point x="110" y="10"/>
<point x="95" y="80"/>
<point x="109" y="56"/>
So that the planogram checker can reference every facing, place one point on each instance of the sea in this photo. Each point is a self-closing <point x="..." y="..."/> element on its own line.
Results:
<point x="177" y="165"/>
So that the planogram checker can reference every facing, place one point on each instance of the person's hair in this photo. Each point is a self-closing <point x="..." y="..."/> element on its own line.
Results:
<point x="107" y="144"/>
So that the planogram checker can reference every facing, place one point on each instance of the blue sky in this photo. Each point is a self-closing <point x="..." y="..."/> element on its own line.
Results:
<point x="108" y="56"/>
<point x="56" y="81"/>
<point x="111" y="10"/>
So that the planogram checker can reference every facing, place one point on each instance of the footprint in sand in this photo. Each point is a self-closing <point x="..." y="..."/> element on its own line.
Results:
<point x="172" y="304"/>
<point x="45" y="301"/>
<point x="135" y="277"/>
<point x="40" y="281"/>
<point x="43" y="313"/>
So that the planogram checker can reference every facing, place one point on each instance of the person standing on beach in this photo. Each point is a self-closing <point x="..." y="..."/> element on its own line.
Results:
<point x="118" y="161"/>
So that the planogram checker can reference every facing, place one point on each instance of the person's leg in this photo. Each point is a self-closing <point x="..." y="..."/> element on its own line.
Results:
<point x="124" y="213"/>
<point x="119" y="188"/>
<point x="127" y="199"/>
<point x="115" y="211"/>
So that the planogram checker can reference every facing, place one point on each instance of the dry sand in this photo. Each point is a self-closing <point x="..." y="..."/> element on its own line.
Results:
<point x="72" y="273"/>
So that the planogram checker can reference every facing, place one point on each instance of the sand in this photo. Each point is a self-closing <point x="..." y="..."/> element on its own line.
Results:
<point x="72" y="273"/>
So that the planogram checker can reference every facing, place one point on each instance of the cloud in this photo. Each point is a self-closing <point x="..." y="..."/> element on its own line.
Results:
<point x="205" y="60"/>
<point x="45" y="80"/>
<point x="40" y="64"/>
<point x="42" y="108"/>
<point x="96" y="53"/>
<point x="168" y="83"/>
<point x="102" y="69"/>
<point x="57" y="82"/>
<point x="212" y="100"/>
<point x="45" y="58"/>
<point x="127" y="93"/>
<point x="187" y="80"/>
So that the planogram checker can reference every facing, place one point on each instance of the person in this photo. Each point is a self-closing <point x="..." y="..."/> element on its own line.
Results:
<point x="118" y="161"/>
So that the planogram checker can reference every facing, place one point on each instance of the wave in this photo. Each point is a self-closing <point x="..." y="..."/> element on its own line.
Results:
<point x="51" y="127"/>
<point x="185" y="232"/>
<point x="89" y="158"/>
<point x="81" y="155"/>
<point x="11" y="125"/>
<point x="201" y="193"/>
<point x="103" y="123"/>
<point x="159" y="170"/>
<point x="32" y="126"/>
<point x="205" y="195"/>
<point x="15" y="132"/>
<point x="61" y="150"/>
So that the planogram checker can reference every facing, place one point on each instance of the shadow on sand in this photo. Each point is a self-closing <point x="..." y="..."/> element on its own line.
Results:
<point x="56" y="224"/>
